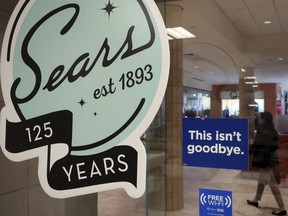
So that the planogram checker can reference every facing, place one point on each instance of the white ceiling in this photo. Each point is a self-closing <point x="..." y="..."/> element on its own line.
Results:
<point x="230" y="34"/>
<point x="248" y="16"/>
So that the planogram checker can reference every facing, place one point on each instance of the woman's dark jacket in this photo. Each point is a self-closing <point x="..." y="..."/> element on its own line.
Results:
<point x="264" y="147"/>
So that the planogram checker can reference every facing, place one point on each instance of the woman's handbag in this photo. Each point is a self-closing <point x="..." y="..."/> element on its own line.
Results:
<point x="263" y="156"/>
<point x="261" y="159"/>
<point x="277" y="176"/>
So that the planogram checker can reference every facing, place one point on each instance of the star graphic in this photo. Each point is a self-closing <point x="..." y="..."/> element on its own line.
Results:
<point x="81" y="102"/>
<point x="109" y="8"/>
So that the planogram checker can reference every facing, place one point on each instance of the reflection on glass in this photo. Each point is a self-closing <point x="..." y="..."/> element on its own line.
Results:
<point x="230" y="108"/>
<point x="155" y="146"/>
<point x="196" y="103"/>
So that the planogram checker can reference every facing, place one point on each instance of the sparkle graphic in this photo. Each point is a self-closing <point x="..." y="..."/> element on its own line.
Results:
<point x="81" y="102"/>
<point x="109" y="8"/>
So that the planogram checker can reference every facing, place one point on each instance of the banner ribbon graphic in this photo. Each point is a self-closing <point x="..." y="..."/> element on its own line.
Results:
<point x="118" y="164"/>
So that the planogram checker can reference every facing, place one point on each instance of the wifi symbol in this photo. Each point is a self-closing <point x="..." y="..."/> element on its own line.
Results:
<point x="203" y="199"/>
<point x="228" y="201"/>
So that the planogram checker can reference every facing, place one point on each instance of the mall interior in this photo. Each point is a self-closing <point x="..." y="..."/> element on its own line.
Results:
<point x="235" y="66"/>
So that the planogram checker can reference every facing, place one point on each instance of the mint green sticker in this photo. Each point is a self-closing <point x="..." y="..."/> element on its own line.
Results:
<point x="101" y="65"/>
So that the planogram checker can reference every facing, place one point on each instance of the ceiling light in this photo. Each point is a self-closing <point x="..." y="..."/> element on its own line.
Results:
<point x="280" y="58"/>
<point x="169" y="37"/>
<point x="251" y="83"/>
<point x="196" y="66"/>
<point x="250" y="77"/>
<point x="267" y="22"/>
<point x="254" y="86"/>
<point x="179" y="33"/>
<point x="243" y="70"/>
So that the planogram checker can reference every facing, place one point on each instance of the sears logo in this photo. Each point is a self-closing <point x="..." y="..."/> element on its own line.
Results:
<point x="82" y="81"/>
<point x="215" y="202"/>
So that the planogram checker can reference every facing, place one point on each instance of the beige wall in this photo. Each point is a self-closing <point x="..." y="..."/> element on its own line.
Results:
<point x="22" y="195"/>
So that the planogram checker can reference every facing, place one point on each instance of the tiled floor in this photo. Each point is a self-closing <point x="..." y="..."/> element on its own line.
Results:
<point x="242" y="185"/>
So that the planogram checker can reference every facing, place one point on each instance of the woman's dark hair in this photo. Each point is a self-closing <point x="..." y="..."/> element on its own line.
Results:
<point x="267" y="116"/>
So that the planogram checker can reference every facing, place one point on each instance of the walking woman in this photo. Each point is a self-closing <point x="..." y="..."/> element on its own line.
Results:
<point x="264" y="152"/>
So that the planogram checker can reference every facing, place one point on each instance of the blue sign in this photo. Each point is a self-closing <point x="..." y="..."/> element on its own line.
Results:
<point x="215" y="143"/>
<point x="215" y="202"/>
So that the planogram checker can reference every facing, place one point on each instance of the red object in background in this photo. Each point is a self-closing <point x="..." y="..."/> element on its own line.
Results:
<point x="278" y="107"/>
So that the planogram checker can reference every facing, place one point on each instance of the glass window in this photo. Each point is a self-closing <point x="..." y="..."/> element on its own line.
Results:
<point x="196" y="103"/>
<point x="237" y="62"/>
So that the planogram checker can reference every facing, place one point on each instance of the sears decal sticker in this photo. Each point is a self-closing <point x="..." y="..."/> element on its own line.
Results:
<point x="82" y="81"/>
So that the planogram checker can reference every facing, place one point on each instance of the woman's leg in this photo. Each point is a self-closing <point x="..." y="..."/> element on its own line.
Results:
<point x="277" y="194"/>
<point x="261" y="184"/>
<point x="259" y="191"/>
